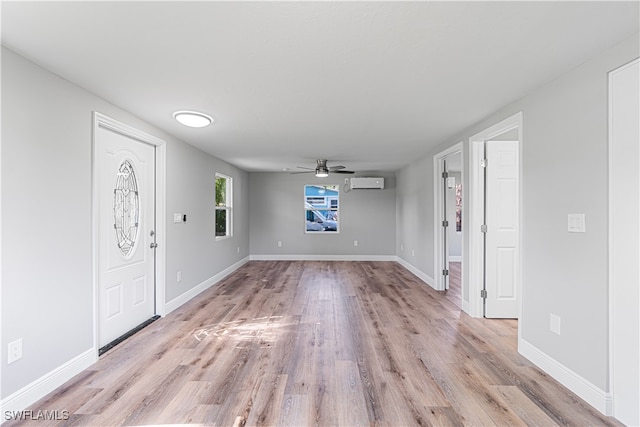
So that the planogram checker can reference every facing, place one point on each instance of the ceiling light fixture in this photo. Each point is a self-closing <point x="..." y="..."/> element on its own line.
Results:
<point x="322" y="172"/>
<point x="193" y="119"/>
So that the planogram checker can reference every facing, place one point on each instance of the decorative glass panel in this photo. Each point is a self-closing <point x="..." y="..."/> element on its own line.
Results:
<point x="126" y="208"/>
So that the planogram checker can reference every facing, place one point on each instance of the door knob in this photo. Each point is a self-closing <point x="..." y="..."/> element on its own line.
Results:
<point x="153" y="245"/>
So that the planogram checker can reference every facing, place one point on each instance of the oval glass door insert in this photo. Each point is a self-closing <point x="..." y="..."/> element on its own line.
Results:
<point x="126" y="208"/>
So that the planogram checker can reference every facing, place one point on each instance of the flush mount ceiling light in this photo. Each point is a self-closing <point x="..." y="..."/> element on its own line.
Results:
<point x="193" y="119"/>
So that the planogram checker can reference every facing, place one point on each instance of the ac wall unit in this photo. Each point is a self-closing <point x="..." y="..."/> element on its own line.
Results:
<point x="362" y="183"/>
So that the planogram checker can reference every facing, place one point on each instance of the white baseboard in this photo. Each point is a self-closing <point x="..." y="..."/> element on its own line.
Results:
<point x="44" y="385"/>
<point x="593" y="395"/>
<point x="421" y="275"/>
<point x="323" y="257"/>
<point x="180" y="300"/>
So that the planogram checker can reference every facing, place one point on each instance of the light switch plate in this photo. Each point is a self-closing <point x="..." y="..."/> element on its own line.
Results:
<point x="451" y="182"/>
<point x="575" y="223"/>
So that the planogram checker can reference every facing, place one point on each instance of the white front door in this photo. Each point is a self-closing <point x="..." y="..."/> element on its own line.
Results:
<point x="125" y="173"/>
<point x="501" y="219"/>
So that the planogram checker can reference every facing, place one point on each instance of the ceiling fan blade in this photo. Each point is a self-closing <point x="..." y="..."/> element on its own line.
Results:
<point x="342" y="171"/>
<point x="302" y="167"/>
<point x="335" y="168"/>
<point x="309" y="171"/>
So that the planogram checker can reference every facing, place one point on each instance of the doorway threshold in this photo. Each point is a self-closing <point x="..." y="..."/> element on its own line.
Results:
<point x="123" y="337"/>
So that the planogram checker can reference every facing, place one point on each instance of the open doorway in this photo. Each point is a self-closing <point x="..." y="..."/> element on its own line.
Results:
<point x="448" y="205"/>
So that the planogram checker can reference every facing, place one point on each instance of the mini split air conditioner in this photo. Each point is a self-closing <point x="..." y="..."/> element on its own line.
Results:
<point x="366" y="183"/>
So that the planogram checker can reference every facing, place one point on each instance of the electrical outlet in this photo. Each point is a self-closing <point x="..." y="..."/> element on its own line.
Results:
<point x="355" y="243"/>
<point x="413" y="252"/>
<point x="554" y="323"/>
<point x="15" y="351"/>
<point x="279" y="243"/>
<point x="238" y="249"/>
<point x="179" y="277"/>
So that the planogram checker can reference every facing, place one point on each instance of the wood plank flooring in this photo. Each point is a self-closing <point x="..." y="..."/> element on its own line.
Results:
<point x="454" y="293"/>
<point x="318" y="343"/>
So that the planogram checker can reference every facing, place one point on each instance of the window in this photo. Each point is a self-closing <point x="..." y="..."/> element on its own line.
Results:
<point x="223" y="206"/>
<point x="321" y="208"/>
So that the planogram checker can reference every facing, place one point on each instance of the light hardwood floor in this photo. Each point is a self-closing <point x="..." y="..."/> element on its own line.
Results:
<point x="454" y="293"/>
<point x="319" y="343"/>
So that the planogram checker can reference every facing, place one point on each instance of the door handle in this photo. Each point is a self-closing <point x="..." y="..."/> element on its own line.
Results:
<point x="153" y="245"/>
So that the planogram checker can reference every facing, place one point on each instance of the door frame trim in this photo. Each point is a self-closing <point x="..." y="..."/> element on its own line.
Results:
<point x="475" y="214"/>
<point x="102" y="121"/>
<point x="621" y="249"/>
<point x="438" y="241"/>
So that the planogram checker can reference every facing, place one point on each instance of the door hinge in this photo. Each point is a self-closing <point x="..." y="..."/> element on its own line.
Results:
<point x="445" y="272"/>
<point x="445" y="174"/>
<point x="445" y="223"/>
<point x="483" y="228"/>
<point x="483" y="163"/>
<point x="483" y="294"/>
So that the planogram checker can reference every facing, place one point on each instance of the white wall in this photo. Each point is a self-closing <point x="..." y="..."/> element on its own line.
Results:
<point x="192" y="247"/>
<point x="46" y="218"/>
<point x="414" y="217"/>
<point x="564" y="171"/>
<point x="277" y="214"/>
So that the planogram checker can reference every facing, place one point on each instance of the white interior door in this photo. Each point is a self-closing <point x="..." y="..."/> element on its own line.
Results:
<point x="501" y="219"/>
<point x="125" y="171"/>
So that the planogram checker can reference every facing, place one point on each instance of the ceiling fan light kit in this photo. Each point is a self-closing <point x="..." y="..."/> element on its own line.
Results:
<point x="322" y="172"/>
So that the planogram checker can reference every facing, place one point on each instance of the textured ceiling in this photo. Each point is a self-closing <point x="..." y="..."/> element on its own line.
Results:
<point x="371" y="85"/>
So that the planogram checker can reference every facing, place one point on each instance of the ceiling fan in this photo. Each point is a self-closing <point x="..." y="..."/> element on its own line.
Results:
<point x="322" y="170"/>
